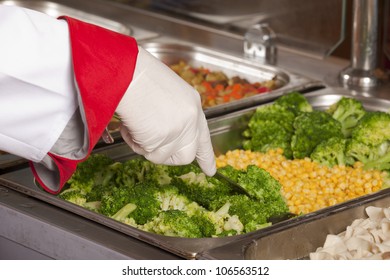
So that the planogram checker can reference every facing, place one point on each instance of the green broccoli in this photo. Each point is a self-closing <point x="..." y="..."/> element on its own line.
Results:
<point x="142" y="194"/>
<point x="266" y="199"/>
<point x="270" y="127"/>
<point x="124" y="212"/>
<point x="369" y="142"/>
<point x="170" y="199"/>
<point x="331" y="152"/>
<point x="348" y="111"/>
<point x="201" y="188"/>
<point x="295" y="102"/>
<point x="74" y="195"/>
<point x="178" y="170"/>
<point x="174" y="223"/>
<point x="373" y="128"/>
<point x="249" y="214"/>
<point x="91" y="172"/>
<point x="255" y="180"/>
<point x="92" y="180"/>
<point x="311" y="128"/>
<point x="152" y="198"/>
<point x="260" y="184"/>
<point x="382" y="160"/>
<point x="224" y="223"/>
<point x="140" y="170"/>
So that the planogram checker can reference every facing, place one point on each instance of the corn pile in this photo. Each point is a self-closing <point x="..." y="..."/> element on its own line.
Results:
<point x="307" y="185"/>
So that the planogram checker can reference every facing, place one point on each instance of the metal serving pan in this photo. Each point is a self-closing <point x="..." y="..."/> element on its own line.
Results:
<point x="56" y="10"/>
<point x="197" y="56"/>
<point x="226" y="135"/>
<point x="296" y="240"/>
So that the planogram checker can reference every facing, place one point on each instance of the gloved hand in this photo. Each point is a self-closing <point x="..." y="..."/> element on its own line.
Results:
<point x="162" y="117"/>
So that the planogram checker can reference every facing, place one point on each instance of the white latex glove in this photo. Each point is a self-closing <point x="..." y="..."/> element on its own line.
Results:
<point x="162" y="117"/>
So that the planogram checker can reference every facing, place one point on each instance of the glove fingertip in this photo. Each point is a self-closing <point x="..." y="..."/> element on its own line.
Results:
<point x="129" y="141"/>
<point x="209" y="166"/>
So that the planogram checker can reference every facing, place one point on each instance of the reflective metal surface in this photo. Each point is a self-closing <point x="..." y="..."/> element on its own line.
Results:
<point x="312" y="26"/>
<point x="55" y="10"/>
<point x="260" y="44"/>
<point x="363" y="73"/>
<point x="197" y="56"/>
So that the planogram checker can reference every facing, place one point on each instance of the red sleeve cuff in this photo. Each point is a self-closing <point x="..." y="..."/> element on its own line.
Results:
<point x="103" y="64"/>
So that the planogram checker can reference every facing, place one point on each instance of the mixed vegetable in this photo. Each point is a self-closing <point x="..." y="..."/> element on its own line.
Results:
<point x="321" y="158"/>
<point x="342" y="135"/>
<point x="216" y="88"/>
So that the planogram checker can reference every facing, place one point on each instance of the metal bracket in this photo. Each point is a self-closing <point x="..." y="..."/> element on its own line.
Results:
<point x="260" y="43"/>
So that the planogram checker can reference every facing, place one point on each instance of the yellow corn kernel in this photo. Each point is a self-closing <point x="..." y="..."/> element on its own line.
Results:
<point x="306" y="185"/>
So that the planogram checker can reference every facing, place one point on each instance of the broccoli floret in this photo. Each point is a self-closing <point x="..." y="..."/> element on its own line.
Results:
<point x="359" y="151"/>
<point x="205" y="224"/>
<point x="311" y="128"/>
<point x="98" y="191"/>
<point x="178" y="170"/>
<point x="260" y="184"/>
<point x="373" y="128"/>
<point x="140" y="170"/>
<point x="331" y="152"/>
<point x="348" y="111"/>
<point x="382" y="162"/>
<point x="91" y="172"/>
<point x="147" y="206"/>
<point x="270" y="127"/>
<point x="266" y="199"/>
<point x="373" y="157"/>
<point x="93" y="206"/>
<point x="230" y="172"/>
<point x="174" y="223"/>
<point x="295" y="102"/>
<point x="273" y="113"/>
<point x="200" y="188"/>
<point x="370" y="141"/>
<point x="250" y="213"/>
<point x="93" y="179"/>
<point x="143" y="195"/>
<point x="158" y="174"/>
<point x="73" y="195"/>
<point x="224" y="223"/>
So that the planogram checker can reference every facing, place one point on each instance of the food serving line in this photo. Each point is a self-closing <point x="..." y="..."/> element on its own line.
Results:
<point x="37" y="225"/>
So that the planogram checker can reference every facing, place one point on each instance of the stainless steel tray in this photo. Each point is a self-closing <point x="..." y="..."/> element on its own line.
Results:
<point x="296" y="240"/>
<point x="56" y="10"/>
<point x="172" y="53"/>
<point x="226" y="135"/>
<point x="9" y="161"/>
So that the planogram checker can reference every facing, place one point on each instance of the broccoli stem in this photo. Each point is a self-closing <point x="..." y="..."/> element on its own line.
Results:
<point x="124" y="212"/>
<point x="382" y="163"/>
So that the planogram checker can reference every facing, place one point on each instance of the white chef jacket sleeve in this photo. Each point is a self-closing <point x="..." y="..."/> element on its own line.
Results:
<point x="37" y="91"/>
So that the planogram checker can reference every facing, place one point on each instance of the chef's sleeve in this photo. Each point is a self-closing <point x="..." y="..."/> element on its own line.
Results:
<point x="60" y="83"/>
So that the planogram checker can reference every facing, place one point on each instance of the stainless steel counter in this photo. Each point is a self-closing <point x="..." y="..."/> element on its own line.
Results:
<point x="33" y="229"/>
